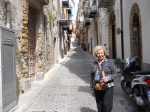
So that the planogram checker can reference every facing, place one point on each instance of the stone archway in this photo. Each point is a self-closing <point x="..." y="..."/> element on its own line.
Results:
<point x="112" y="36"/>
<point x="135" y="32"/>
<point x="31" y="50"/>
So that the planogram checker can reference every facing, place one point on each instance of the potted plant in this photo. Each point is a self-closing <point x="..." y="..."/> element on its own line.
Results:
<point x="118" y="63"/>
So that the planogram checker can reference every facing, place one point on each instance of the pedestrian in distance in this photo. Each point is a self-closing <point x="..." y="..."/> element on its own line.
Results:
<point x="103" y="96"/>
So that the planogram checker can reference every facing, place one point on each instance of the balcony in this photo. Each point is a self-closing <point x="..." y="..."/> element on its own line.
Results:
<point x="84" y="12"/>
<point x="83" y="31"/>
<point x="92" y="11"/>
<point x="65" y="3"/>
<point x="87" y="21"/>
<point x="105" y="3"/>
<point x="43" y="2"/>
<point x="63" y="22"/>
<point x="86" y="3"/>
<point x="39" y="3"/>
<point x="69" y="31"/>
<point x="66" y="27"/>
<point x="78" y="23"/>
<point x="69" y="10"/>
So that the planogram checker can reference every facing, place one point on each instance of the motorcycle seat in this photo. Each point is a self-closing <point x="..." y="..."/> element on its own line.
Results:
<point x="142" y="73"/>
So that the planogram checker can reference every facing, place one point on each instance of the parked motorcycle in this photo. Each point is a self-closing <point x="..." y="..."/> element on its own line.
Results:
<point x="136" y="83"/>
<point x="83" y="45"/>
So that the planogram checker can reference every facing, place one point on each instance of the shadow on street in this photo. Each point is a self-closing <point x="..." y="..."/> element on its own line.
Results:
<point x="87" y="109"/>
<point x="79" y="63"/>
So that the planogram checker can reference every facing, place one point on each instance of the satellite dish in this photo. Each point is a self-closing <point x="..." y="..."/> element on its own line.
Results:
<point x="118" y="31"/>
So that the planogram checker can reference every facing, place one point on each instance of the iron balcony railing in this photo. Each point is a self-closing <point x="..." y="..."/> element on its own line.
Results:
<point x="105" y="3"/>
<point x="78" y="22"/>
<point x="92" y="11"/>
<point x="69" y="9"/>
<point x="83" y="31"/>
<point x="65" y="3"/>
<point x="87" y="21"/>
<point x="85" y="3"/>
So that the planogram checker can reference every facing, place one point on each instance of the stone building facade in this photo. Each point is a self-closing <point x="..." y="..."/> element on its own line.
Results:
<point x="38" y="41"/>
<point x="2" y="13"/>
<point x="42" y="38"/>
<point x="36" y="36"/>
<point x="122" y="29"/>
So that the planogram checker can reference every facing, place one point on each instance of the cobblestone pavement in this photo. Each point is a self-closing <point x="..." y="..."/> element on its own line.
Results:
<point x="66" y="88"/>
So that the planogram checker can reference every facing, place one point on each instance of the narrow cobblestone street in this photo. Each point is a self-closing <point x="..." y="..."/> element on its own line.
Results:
<point x="66" y="88"/>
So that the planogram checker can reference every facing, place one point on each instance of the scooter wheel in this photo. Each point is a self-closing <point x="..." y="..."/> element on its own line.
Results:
<point x="136" y="91"/>
<point x="124" y="87"/>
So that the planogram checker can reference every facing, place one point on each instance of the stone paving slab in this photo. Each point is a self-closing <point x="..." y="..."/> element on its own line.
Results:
<point x="66" y="88"/>
<point x="68" y="101"/>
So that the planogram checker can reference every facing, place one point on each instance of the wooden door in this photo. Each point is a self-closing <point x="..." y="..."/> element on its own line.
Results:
<point x="32" y="39"/>
<point x="136" y="43"/>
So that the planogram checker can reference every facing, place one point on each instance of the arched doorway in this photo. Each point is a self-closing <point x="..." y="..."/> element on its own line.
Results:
<point x="112" y="36"/>
<point x="135" y="33"/>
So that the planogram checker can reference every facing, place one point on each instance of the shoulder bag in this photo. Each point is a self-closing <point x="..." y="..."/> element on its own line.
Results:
<point x="98" y="85"/>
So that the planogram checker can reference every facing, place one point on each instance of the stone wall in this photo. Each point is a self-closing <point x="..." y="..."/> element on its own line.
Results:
<point x="2" y="13"/>
<point x="16" y="24"/>
<point x="46" y="51"/>
<point x="24" y="46"/>
<point x="40" y="44"/>
<point x="52" y="35"/>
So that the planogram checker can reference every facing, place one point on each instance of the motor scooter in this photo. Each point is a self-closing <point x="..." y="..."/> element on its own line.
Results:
<point x="83" y="45"/>
<point x="136" y="83"/>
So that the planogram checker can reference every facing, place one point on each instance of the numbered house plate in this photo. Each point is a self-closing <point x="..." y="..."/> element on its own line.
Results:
<point x="148" y="93"/>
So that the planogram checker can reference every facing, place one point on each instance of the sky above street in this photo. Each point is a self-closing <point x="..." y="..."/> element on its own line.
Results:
<point x="74" y="10"/>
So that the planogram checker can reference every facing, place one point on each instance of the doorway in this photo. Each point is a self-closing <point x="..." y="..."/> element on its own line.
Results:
<point x="113" y="42"/>
<point x="135" y="41"/>
<point x="31" y="40"/>
<point x="112" y="36"/>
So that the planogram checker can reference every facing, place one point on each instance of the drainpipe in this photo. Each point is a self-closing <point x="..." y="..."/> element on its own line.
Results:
<point x="8" y="13"/>
<point x="45" y="36"/>
<point x="122" y="42"/>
